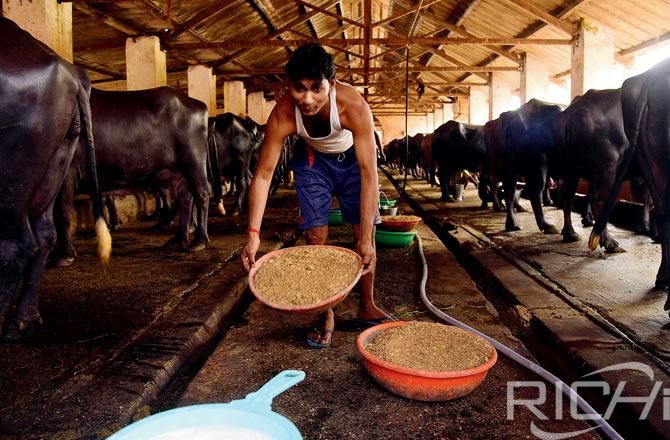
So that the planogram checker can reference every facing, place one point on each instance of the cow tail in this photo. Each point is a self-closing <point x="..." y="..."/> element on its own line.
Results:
<point x="213" y="167"/>
<point x="622" y="169"/>
<point x="101" y="230"/>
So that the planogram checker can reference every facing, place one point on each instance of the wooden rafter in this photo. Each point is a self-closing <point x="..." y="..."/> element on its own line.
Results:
<point x="340" y="17"/>
<point x="360" y="71"/>
<point x="543" y="15"/>
<point x="413" y="10"/>
<point x="205" y="15"/>
<point x="255" y="4"/>
<point x="389" y="41"/>
<point x="367" y="31"/>
<point x="300" y="19"/>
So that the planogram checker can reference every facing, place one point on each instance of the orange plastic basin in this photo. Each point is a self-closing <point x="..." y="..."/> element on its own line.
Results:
<point x="389" y="223"/>
<point x="320" y="306"/>
<point x="420" y="384"/>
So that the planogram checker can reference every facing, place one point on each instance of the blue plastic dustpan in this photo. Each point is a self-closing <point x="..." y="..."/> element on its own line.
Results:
<point x="253" y="413"/>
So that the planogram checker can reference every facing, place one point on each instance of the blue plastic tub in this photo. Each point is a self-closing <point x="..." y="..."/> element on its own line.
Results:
<point x="253" y="413"/>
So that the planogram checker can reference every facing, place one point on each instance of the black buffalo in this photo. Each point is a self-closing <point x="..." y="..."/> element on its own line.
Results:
<point x="457" y="146"/>
<point x="590" y="136"/>
<point x="519" y="144"/>
<point x="45" y="111"/>
<point x="146" y="139"/>
<point x="645" y="101"/>
<point x="236" y="141"/>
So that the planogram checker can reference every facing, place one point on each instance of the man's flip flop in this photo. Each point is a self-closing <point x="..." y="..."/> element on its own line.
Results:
<point x="367" y="323"/>
<point x="322" y="334"/>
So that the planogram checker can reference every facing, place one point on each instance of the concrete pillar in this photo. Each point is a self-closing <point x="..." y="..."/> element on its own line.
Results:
<point x="46" y="20"/>
<point x="439" y="117"/>
<point x="462" y="109"/>
<point x="267" y="108"/>
<point x="202" y="86"/>
<point x="430" y="122"/>
<point x="145" y="63"/>
<point x="479" y="105"/>
<point x="592" y="58"/>
<point x="447" y="112"/>
<point x="534" y="78"/>
<point x="500" y="95"/>
<point x="234" y="98"/>
<point x="255" y="104"/>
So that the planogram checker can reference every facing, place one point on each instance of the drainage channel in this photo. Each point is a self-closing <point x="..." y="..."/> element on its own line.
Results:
<point x="537" y="338"/>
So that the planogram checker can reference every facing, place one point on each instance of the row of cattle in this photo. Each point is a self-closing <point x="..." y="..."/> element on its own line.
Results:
<point x="603" y="137"/>
<point x="59" y="137"/>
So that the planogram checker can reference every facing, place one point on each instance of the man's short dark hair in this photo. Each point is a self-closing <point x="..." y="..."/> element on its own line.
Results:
<point x="310" y="61"/>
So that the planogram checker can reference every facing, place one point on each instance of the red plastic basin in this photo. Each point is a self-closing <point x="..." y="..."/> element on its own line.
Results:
<point x="420" y="384"/>
<point x="320" y="306"/>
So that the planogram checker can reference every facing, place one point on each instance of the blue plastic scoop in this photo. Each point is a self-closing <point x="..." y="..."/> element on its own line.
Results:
<point x="252" y="415"/>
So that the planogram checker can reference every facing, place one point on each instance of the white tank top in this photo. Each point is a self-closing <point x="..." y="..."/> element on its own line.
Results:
<point x="338" y="141"/>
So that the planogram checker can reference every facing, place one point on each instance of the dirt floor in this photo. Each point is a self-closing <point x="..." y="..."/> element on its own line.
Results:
<point x="339" y="399"/>
<point x="91" y="317"/>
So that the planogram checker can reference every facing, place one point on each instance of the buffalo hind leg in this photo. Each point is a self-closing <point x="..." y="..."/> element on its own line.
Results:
<point x="64" y="253"/>
<point x="113" y="213"/>
<point x="568" y="189"/>
<point x="184" y="202"/>
<point x="535" y="189"/>
<point x="28" y="316"/>
<point x="510" y="222"/>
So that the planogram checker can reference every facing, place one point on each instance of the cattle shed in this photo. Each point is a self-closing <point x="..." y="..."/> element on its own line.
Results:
<point x="467" y="60"/>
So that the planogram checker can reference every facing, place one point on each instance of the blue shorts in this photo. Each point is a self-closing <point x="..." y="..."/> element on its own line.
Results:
<point x="319" y="177"/>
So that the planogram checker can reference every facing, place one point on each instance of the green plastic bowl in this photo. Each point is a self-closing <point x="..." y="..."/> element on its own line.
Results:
<point x="387" y="203"/>
<point x="394" y="239"/>
<point x="335" y="217"/>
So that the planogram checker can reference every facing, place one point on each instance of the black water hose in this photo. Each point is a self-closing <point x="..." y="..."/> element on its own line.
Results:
<point x="584" y="406"/>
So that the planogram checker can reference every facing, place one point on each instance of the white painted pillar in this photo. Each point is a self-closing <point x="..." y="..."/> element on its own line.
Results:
<point x="255" y="107"/>
<point x="202" y="86"/>
<point x="46" y="20"/>
<point x="145" y="63"/>
<point x="592" y="58"/>
<point x="479" y="105"/>
<point x="500" y="95"/>
<point x="234" y="98"/>
<point x="447" y="112"/>
<point x="439" y="117"/>
<point x="430" y="122"/>
<point x="462" y="109"/>
<point x="534" y="78"/>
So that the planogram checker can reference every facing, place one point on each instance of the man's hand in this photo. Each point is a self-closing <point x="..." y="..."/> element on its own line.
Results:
<point x="249" y="251"/>
<point x="368" y="254"/>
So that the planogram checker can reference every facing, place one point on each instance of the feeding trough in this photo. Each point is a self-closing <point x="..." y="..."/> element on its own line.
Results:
<point x="421" y="384"/>
<point x="399" y="223"/>
<point x="248" y="418"/>
<point x="394" y="239"/>
<point x="305" y="279"/>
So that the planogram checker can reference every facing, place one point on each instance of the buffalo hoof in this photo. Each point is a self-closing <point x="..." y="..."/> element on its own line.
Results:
<point x="519" y="208"/>
<point x="662" y="284"/>
<point x="550" y="229"/>
<point x="62" y="262"/>
<point x="587" y="222"/>
<point x="449" y="199"/>
<point x="198" y="245"/>
<point x="23" y="329"/>
<point x="570" y="237"/>
<point x="484" y="205"/>
<point x="512" y="228"/>
<point x="666" y="306"/>
<point x="176" y="244"/>
<point x="548" y="202"/>
<point x="643" y="229"/>
<point x="613" y="248"/>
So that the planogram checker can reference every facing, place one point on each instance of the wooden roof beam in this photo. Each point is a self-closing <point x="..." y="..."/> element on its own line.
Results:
<point x="406" y="13"/>
<point x="360" y="71"/>
<point x="330" y="14"/>
<point x="110" y="21"/>
<point x="539" y="13"/>
<point x="436" y="84"/>
<point x="201" y="17"/>
<point x="389" y="41"/>
<point x="367" y="33"/>
<point x="299" y="19"/>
